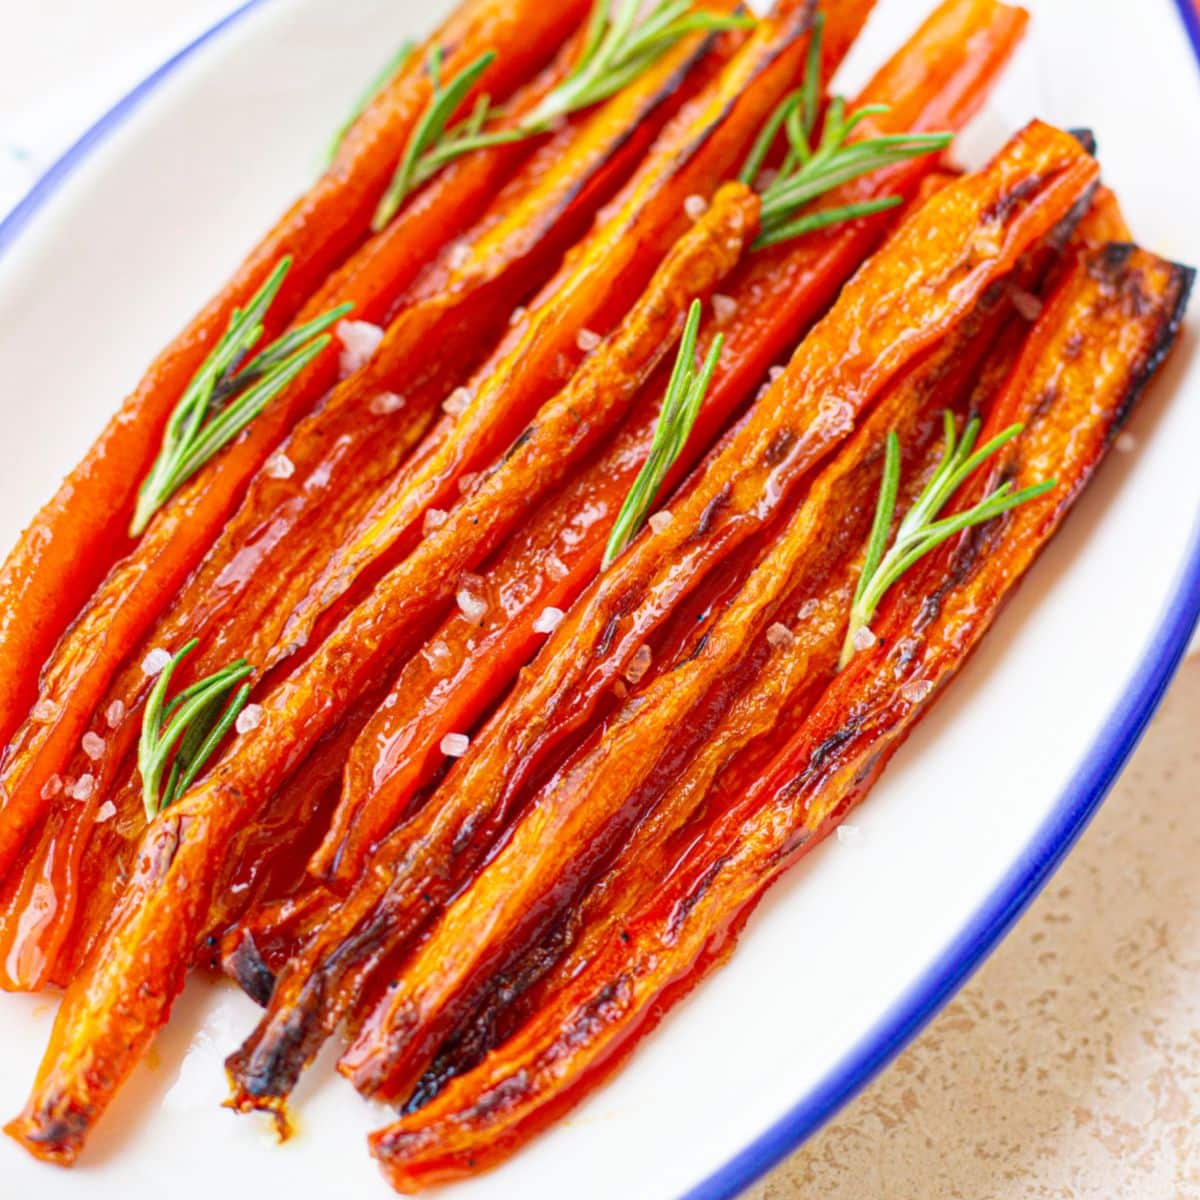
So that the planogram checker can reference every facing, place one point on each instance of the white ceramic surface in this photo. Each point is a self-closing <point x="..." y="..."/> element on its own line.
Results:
<point x="152" y="220"/>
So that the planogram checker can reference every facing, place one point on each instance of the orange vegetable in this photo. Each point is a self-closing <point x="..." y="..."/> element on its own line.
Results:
<point x="81" y="533"/>
<point x="1119" y="313"/>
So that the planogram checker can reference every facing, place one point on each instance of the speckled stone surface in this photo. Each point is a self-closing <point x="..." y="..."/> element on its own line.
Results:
<point x="1069" y="1068"/>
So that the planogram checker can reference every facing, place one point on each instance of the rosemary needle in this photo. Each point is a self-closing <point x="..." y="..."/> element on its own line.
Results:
<point x="180" y="736"/>
<point x="227" y="393"/>
<point x="623" y="40"/>
<point x="681" y="405"/>
<point x="922" y="530"/>
<point x="387" y="73"/>
<point x="809" y="172"/>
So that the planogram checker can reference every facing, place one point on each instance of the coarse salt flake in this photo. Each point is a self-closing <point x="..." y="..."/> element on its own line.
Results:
<point x="94" y="746"/>
<point x="83" y="787"/>
<point x="724" y="308"/>
<point x="588" y="340"/>
<point x="549" y="619"/>
<point x="52" y="787"/>
<point x="115" y="713"/>
<point x="849" y="835"/>
<point x="695" y="206"/>
<point x="155" y="662"/>
<point x="780" y="636"/>
<point x="107" y="811"/>
<point x="249" y="719"/>
<point x="639" y="664"/>
<point x="864" y="639"/>
<point x="916" y="692"/>
<point x="460" y="255"/>
<point x="467" y="482"/>
<point x="279" y="466"/>
<point x="435" y="518"/>
<point x="518" y="315"/>
<point x="45" y="711"/>
<point x="661" y="520"/>
<point x="470" y="599"/>
<point x="360" y="340"/>
<point x="455" y="745"/>
<point x="386" y="403"/>
<point x="556" y="568"/>
<point x="457" y="402"/>
<point x="807" y="609"/>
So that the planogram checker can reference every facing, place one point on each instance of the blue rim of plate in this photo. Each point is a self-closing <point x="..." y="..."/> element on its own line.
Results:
<point x="1079" y="803"/>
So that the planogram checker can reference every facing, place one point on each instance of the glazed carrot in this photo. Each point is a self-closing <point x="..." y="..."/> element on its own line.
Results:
<point x="705" y="145"/>
<point x="134" y="594"/>
<point x="942" y="74"/>
<point x="237" y="599"/>
<point x="592" y="803"/>
<point x="928" y="630"/>
<point x="446" y="840"/>
<point x="608" y="381"/>
<point x="79" y="534"/>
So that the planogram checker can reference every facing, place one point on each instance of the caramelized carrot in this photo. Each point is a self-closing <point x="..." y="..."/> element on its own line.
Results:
<point x="1120" y="313"/>
<point x="868" y="336"/>
<point x="592" y="803"/>
<point x="135" y="592"/>
<point x="586" y="298"/>
<point x="608" y="381"/>
<point x="238" y="598"/>
<point x="935" y="81"/>
<point x="81" y="533"/>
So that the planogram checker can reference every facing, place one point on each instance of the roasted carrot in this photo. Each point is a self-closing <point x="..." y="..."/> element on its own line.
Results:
<point x="935" y="81"/>
<point x="135" y="592"/>
<point x="589" y="807"/>
<point x="608" y="381"/>
<point x="584" y="300"/>
<point x="238" y="598"/>
<point x="446" y="840"/>
<point x="1120" y="313"/>
<point x="81" y="533"/>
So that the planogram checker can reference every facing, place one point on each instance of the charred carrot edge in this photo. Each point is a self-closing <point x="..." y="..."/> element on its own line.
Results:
<point x="135" y="592"/>
<point x="483" y="785"/>
<point x="588" y="295"/>
<point x="787" y="434"/>
<point x="833" y="759"/>
<point x="238" y="598"/>
<point x="79" y="534"/>
<point x="941" y="75"/>
<point x="587" y="810"/>
<point x="704" y="256"/>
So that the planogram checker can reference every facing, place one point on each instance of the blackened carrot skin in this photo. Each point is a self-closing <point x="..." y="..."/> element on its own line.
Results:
<point x="1099" y="342"/>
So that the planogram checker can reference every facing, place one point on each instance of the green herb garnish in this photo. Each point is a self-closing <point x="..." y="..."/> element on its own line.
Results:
<point x="225" y="395"/>
<point x="622" y="42"/>
<point x="921" y="531"/>
<point x="807" y="173"/>
<point x="388" y="72"/>
<point x="680" y="408"/>
<point x="180" y="736"/>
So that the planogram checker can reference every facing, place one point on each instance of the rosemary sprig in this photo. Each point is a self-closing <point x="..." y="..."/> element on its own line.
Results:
<point x="225" y="395"/>
<point x="623" y="40"/>
<point x="922" y="531"/>
<point x="435" y="142"/>
<point x="808" y="173"/>
<point x="180" y="736"/>
<point x="387" y="73"/>
<point x="680" y="407"/>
